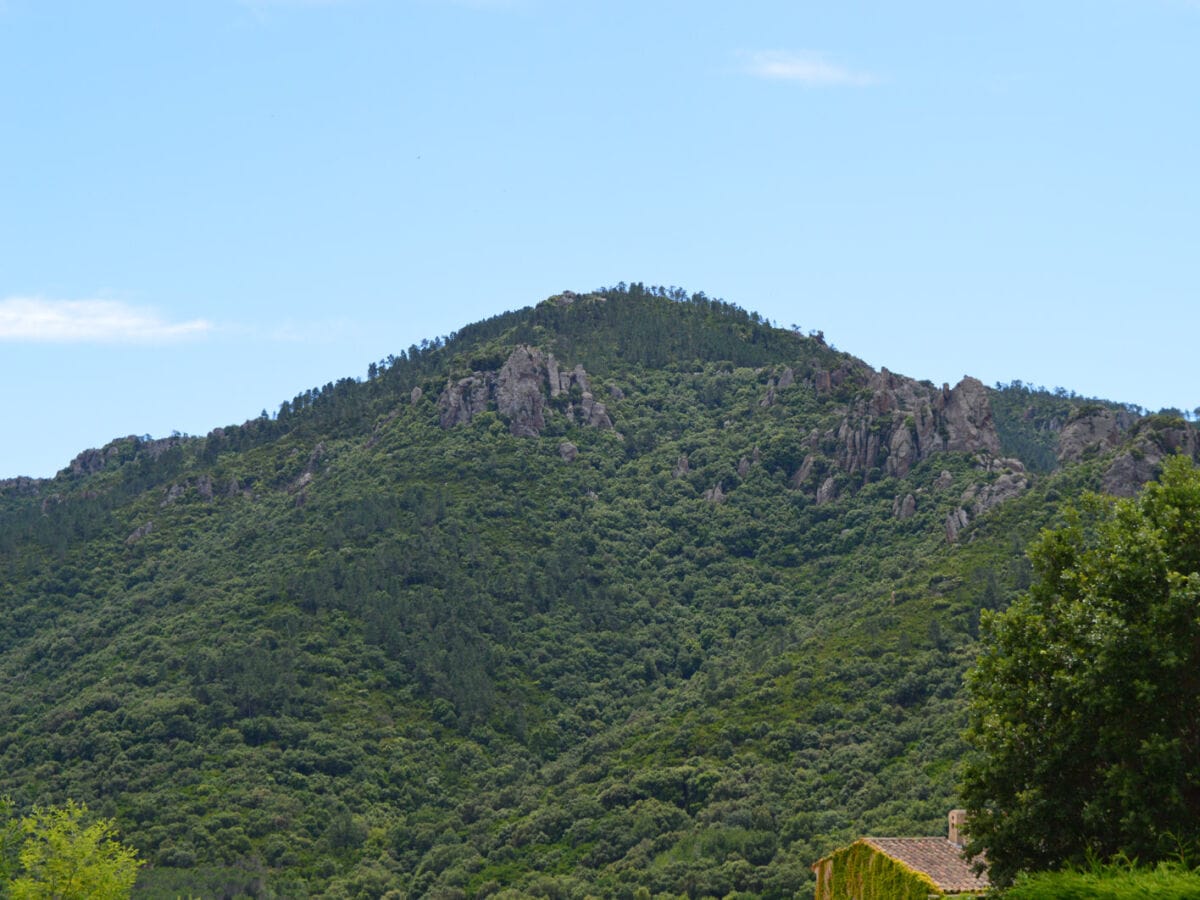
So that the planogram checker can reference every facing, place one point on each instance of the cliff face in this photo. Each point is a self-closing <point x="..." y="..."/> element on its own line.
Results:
<point x="1152" y="440"/>
<point x="1093" y="430"/>
<point x="520" y="392"/>
<point x="895" y="422"/>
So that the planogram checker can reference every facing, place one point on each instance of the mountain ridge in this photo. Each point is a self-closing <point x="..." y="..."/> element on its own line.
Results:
<point x="1118" y="419"/>
<point x="361" y="647"/>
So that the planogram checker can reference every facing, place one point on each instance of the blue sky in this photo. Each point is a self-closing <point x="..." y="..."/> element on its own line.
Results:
<point x="208" y="206"/>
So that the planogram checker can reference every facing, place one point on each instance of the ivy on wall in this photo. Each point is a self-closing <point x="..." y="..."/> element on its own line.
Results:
<point x="860" y="872"/>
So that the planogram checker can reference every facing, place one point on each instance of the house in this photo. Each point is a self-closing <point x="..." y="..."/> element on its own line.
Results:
<point x="900" y="868"/>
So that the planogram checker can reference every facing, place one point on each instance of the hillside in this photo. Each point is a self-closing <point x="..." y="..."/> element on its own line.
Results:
<point x="625" y="592"/>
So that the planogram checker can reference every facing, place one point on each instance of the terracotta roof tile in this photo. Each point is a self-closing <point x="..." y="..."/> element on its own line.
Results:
<point x="936" y="857"/>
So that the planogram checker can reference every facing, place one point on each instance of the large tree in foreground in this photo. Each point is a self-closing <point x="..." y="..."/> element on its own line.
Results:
<point x="1085" y="700"/>
<point x="53" y="855"/>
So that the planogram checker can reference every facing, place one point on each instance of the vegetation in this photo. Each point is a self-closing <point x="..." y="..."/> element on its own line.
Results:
<point x="860" y="872"/>
<point x="1115" y="882"/>
<point x="343" y="651"/>
<point x="52" y="854"/>
<point x="1085" y="695"/>
<point x="1029" y="420"/>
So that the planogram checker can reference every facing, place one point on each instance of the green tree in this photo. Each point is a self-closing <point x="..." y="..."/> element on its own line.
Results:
<point x="10" y="843"/>
<point x="1085" y="699"/>
<point x="64" y="859"/>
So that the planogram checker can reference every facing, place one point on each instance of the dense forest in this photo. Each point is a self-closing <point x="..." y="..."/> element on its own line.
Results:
<point x="626" y="594"/>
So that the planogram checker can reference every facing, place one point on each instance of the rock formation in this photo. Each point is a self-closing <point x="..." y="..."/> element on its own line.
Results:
<point x="21" y="486"/>
<point x="519" y="393"/>
<point x="1092" y="430"/>
<point x="463" y="400"/>
<point x="904" y="507"/>
<point x="956" y="521"/>
<point x="1154" y="438"/>
<point x="896" y="422"/>
<point x="827" y="492"/>
<point x="140" y="532"/>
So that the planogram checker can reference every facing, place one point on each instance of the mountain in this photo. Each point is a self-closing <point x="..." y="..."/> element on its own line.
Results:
<point x="630" y="593"/>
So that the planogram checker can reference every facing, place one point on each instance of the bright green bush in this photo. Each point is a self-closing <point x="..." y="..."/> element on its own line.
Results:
<point x="1165" y="882"/>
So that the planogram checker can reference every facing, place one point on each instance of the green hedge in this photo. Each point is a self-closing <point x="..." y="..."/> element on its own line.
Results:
<point x="1166" y="882"/>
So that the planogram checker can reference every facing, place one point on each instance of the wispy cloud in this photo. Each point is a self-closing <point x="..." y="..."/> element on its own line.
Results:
<point x="812" y="69"/>
<point x="36" y="320"/>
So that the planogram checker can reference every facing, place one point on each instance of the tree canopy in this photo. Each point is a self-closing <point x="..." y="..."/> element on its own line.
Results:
<point x="349" y="650"/>
<point x="1085" y="699"/>
<point x="61" y="857"/>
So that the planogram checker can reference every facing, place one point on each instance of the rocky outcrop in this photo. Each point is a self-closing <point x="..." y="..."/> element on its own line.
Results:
<point x="801" y="477"/>
<point x="966" y="417"/>
<point x="140" y="532"/>
<point x="122" y="450"/>
<point x="827" y="492"/>
<point x="593" y="413"/>
<point x="315" y="457"/>
<point x="825" y="381"/>
<point x="956" y="521"/>
<point x="463" y="400"/>
<point x="21" y="486"/>
<point x="1154" y="439"/>
<point x="519" y="393"/>
<point x="1005" y="488"/>
<point x="91" y="461"/>
<point x="904" y="507"/>
<point x="1005" y="480"/>
<point x="568" y="451"/>
<point x="897" y="422"/>
<point x="715" y="494"/>
<point x="682" y="467"/>
<point x="1127" y="473"/>
<point x="775" y="385"/>
<point x="1093" y="430"/>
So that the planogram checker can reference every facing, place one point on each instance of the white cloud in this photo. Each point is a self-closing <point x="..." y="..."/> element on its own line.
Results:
<point x="36" y="320"/>
<point x="806" y="68"/>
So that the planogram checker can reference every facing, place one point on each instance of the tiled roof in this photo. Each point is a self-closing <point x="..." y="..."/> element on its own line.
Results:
<point x="936" y="857"/>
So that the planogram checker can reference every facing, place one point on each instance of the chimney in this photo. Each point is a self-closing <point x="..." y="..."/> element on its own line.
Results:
<point x="958" y="823"/>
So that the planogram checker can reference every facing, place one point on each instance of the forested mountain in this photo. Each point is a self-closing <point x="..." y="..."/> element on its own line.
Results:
<point x="630" y="593"/>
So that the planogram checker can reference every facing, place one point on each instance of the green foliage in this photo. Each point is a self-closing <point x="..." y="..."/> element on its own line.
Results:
<point x="1085" y="695"/>
<point x="64" y="859"/>
<point x="10" y="843"/>
<point x="1164" y="882"/>
<point x="860" y="872"/>
<point x="342" y="651"/>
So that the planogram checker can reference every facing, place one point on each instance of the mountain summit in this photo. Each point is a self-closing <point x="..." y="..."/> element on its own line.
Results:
<point x="630" y="591"/>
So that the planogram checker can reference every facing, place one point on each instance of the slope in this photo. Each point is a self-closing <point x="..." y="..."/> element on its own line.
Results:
<point x="626" y="591"/>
